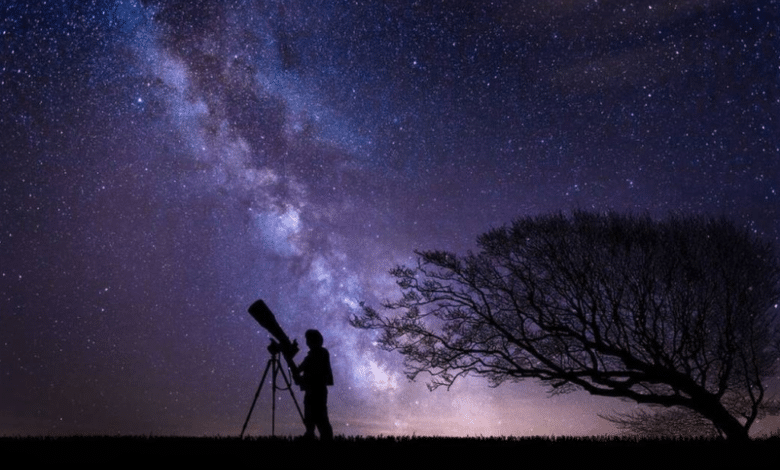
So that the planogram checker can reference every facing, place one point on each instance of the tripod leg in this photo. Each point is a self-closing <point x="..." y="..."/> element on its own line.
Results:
<point x="257" y="394"/>
<point x="274" y="371"/>
<point x="292" y="394"/>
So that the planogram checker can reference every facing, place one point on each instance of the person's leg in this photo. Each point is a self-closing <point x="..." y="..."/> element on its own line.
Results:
<point x="320" y="415"/>
<point x="309" y="415"/>
<point x="326" y="431"/>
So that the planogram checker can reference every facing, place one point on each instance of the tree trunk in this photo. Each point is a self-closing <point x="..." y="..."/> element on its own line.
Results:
<point x="713" y="409"/>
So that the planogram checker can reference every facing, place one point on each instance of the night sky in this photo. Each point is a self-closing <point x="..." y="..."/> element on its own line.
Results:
<point x="166" y="163"/>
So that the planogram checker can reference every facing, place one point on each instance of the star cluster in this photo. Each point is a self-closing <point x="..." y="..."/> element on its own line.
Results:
<point x="166" y="163"/>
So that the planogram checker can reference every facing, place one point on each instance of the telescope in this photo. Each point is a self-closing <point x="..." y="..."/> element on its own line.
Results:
<point x="260" y="312"/>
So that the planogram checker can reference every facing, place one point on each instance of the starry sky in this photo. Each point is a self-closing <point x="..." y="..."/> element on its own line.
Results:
<point x="166" y="163"/>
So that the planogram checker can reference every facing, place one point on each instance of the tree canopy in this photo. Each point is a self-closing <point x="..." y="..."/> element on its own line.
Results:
<point x="679" y="312"/>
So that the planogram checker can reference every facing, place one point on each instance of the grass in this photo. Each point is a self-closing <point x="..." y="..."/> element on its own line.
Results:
<point x="391" y="452"/>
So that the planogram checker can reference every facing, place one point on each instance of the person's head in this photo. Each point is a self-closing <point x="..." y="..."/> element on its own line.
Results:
<point x="314" y="339"/>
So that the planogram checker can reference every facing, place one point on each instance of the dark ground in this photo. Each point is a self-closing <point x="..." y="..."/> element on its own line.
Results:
<point x="400" y="453"/>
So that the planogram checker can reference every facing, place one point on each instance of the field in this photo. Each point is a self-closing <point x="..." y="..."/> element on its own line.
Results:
<point x="391" y="452"/>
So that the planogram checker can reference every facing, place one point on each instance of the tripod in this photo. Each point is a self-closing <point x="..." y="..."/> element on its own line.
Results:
<point x="276" y="369"/>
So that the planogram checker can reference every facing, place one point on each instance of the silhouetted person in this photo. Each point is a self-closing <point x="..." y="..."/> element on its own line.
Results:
<point x="314" y="377"/>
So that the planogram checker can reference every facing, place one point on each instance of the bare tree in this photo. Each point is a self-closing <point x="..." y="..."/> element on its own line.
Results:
<point x="678" y="422"/>
<point x="675" y="313"/>
<point x="670" y="422"/>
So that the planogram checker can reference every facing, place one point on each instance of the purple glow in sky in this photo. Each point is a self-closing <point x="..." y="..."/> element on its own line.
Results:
<point x="167" y="163"/>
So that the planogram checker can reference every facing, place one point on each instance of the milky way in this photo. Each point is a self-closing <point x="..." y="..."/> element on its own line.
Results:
<point x="166" y="163"/>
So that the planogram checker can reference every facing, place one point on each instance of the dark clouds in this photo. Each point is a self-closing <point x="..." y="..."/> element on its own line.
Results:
<point x="166" y="163"/>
